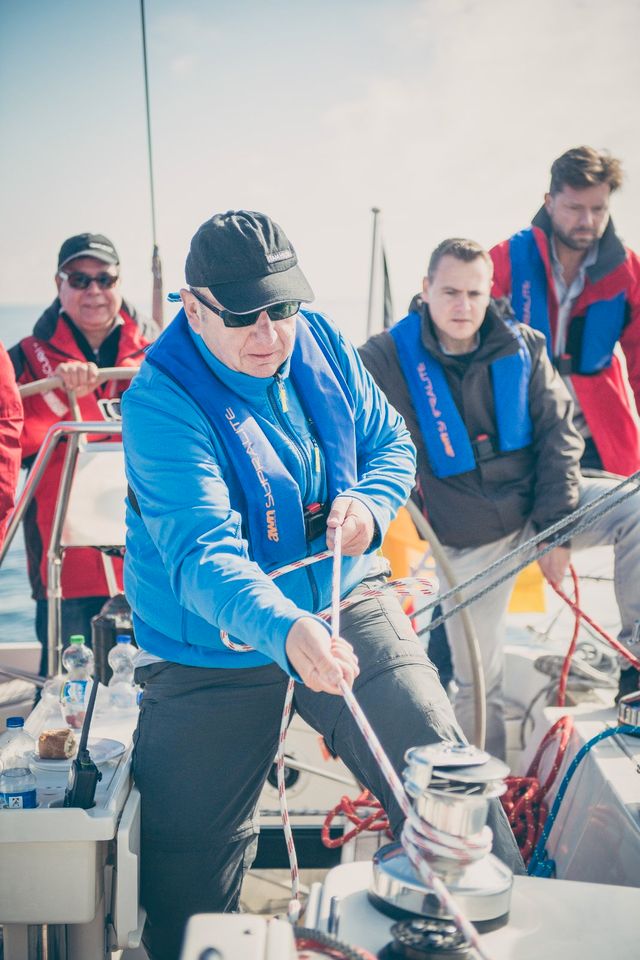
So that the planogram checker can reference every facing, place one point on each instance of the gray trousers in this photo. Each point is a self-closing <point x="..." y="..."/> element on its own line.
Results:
<point x="206" y="740"/>
<point x="620" y="528"/>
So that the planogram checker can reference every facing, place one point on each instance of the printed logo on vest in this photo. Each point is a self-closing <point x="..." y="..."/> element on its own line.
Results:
<point x="269" y="502"/>
<point x="433" y="407"/>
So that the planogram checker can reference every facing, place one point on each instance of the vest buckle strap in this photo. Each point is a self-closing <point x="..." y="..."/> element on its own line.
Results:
<point x="483" y="447"/>
<point x="315" y="520"/>
<point x="564" y="364"/>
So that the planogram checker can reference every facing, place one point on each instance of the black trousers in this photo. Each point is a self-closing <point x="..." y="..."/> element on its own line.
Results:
<point x="206" y="740"/>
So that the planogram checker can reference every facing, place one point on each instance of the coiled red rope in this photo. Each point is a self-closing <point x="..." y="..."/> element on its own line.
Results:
<point x="375" y="821"/>
<point x="524" y="800"/>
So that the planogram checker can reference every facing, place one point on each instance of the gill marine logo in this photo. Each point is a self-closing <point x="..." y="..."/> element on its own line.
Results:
<point x="52" y="400"/>
<point x="432" y="400"/>
<point x="269" y="502"/>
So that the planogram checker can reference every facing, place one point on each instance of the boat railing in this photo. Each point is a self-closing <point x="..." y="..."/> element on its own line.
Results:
<point x="56" y="383"/>
<point x="74" y="433"/>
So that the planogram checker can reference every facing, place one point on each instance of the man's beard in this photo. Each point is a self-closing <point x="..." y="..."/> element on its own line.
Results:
<point x="581" y="242"/>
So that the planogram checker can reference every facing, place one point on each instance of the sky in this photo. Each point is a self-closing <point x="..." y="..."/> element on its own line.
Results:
<point x="445" y="114"/>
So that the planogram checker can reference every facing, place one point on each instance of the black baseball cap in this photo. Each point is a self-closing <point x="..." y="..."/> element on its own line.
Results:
<point x="246" y="261"/>
<point x="88" y="245"/>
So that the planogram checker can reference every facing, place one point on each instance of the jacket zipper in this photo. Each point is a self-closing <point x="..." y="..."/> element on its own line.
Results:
<point x="289" y="432"/>
<point x="300" y="452"/>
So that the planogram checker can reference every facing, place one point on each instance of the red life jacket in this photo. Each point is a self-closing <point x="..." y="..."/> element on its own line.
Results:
<point x="603" y="396"/>
<point x="10" y="427"/>
<point x="38" y="355"/>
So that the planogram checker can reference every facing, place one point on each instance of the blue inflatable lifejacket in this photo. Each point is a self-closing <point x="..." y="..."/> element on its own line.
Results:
<point x="449" y="447"/>
<point x="603" y="321"/>
<point x="268" y="487"/>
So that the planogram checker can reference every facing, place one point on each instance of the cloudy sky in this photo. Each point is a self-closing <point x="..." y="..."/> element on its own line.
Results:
<point x="446" y="114"/>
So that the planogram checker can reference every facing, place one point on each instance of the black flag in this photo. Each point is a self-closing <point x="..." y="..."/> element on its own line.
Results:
<point x="388" y="318"/>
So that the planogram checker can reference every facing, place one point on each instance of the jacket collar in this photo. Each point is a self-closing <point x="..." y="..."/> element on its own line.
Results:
<point x="498" y="336"/>
<point x="611" y="252"/>
<point x="45" y="325"/>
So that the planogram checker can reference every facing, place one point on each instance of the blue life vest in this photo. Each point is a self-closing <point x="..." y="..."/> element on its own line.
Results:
<point x="273" y="509"/>
<point x="603" y="321"/>
<point x="445" y="435"/>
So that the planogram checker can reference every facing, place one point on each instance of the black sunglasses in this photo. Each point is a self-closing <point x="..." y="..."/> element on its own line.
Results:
<point x="277" y="311"/>
<point x="82" y="281"/>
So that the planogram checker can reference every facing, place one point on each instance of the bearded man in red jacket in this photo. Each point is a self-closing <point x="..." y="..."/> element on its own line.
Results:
<point x="88" y="326"/>
<point x="569" y="276"/>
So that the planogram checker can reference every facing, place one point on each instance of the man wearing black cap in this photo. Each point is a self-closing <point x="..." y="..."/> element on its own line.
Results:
<point x="87" y="326"/>
<point x="251" y="432"/>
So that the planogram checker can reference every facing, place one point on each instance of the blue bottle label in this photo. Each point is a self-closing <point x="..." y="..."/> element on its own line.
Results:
<point x="19" y="801"/>
<point x="74" y="692"/>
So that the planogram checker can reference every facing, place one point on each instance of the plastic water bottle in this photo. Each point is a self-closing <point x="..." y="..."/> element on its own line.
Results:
<point x="77" y="660"/>
<point x="122" y="690"/>
<point x="17" y="782"/>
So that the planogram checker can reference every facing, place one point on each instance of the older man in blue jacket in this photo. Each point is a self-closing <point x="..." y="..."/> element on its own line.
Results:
<point x="251" y="433"/>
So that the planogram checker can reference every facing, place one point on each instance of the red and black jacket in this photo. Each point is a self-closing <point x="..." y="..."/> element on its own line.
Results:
<point x="602" y="394"/>
<point x="55" y="339"/>
<point x="10" y="429"/>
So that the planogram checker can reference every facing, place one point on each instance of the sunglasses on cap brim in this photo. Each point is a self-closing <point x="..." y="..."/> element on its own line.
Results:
<point x="277" y="311"/>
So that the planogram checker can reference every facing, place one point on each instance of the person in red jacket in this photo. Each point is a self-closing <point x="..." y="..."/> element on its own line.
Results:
<point x="88" y="326"/>
<point x="569" y="276"/>
<point x="10" y="428"/>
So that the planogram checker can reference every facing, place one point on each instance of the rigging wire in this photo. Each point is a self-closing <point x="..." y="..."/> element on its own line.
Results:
<point x="156" y="265"/>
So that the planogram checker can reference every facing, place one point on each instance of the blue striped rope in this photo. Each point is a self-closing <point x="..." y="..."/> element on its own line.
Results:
<point x="540" y="864"/>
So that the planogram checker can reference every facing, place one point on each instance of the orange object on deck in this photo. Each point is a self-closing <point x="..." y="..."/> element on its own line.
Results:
<point x="402" y="546"/>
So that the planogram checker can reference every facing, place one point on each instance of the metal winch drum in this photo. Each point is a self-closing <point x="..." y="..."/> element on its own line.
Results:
<point x="451" y="786"/>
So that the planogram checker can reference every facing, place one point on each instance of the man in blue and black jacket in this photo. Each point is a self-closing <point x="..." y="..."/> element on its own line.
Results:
<point x="251" y="433"/>
<point x="498" y="455"/>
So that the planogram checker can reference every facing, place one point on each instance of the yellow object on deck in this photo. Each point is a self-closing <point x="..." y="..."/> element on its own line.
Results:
<point x="528" y="591"/>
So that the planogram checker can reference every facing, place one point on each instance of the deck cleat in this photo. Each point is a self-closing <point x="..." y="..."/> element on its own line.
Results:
<point x="451" y="786"/>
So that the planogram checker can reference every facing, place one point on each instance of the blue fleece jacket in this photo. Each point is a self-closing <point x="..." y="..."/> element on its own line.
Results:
<point x="188" y="573"/>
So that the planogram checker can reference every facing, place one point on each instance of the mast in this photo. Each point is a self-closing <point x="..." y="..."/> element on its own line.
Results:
<point x="374" y="243"/>
<point x="156" y="264"/>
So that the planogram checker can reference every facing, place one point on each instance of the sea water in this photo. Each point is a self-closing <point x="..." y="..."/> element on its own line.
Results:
<point x="17" y="609"/>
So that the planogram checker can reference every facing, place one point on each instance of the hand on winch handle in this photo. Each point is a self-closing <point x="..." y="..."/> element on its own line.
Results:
<point x="357" y="525"/>
<point x="321" y="662"/>
<point x="555" y="564"/>
<point x="77" y="375"/>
